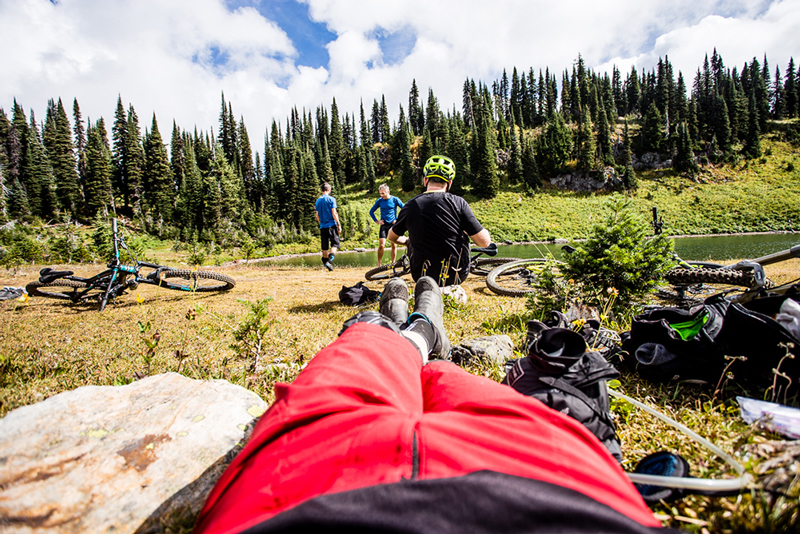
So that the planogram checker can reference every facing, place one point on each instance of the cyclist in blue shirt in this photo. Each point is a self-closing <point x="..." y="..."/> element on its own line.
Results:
<point x="388" y="205"/>
<point x="329" y="225"/>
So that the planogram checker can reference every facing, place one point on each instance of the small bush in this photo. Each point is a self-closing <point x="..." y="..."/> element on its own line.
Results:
<point x="619" y="256"/>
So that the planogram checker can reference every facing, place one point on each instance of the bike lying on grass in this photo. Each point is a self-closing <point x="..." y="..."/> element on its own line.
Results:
<point x="690" y="282"/>
<point x="118" y="278"/>
<point x="477" y="265"/>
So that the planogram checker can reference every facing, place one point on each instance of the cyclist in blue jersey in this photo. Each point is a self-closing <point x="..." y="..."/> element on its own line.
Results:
<point x="388" y="205"/>
<point x="329" y="225"/>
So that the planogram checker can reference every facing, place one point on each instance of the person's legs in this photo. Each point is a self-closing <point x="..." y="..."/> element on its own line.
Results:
<point x="381" y="244"/>
<point x="346" y="422"/>
<point x="394" y="252"/>
<point x="472" y="423"/>
<point x="429" y="307"/>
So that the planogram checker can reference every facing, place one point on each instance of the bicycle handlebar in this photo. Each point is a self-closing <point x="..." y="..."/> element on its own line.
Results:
<point x="491" y="250"/>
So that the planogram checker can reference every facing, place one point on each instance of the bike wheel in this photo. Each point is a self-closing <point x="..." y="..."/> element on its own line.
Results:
<point x="693" y="286"/>
<point x="200" y="281"/>
<point x="391" y="270"/>
<point x="58" y="289"/>
<point x="519" y="278"/>
<point x="483" y="266"/>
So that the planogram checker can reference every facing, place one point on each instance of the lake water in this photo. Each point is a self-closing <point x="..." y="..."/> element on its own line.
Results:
<point x="689" y="248"/>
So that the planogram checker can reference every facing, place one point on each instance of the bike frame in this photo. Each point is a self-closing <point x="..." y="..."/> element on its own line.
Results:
<point x="115" y="279"/>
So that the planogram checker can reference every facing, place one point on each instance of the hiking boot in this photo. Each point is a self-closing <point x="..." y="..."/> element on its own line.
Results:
<point x="394" y="300"/>
<point x="327" y="264"/>
<point x="428" y="305"/>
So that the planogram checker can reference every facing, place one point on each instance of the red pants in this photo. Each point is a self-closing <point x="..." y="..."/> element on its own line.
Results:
<point x="352" y="417"/>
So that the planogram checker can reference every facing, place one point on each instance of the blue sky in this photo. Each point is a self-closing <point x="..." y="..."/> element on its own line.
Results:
<point x="175" y="58"/>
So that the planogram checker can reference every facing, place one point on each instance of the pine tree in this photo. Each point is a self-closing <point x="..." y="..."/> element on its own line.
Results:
<point x="61" y="154"/>
<point x="134" y="162"/>
<point x="652" y="129"/>
<point x="790" y="90"/>
<point x="119" y="137"/>
<point x="752" y="143"/>
<point x="629" y="178"/>
<point x="516" y="171"/>
<point x="246" y="168"/>
<point x="604" y="143"/>
<point x="529" y="167"/>
<point x="403" y="150"/>
<point x="336" y="146"/>
<point x="684" y="161"/>
<point x="98" y="173"/>
<point x="416" y="118"/>
<point x="585" y="144"/>
<point x="80" y="142"/>
<point x="554" y="146"/>
<point x="159" y="186"/>
<point x="39" y="175"/>
<point x="17" y="201"/>
<point x="487" y="183"/>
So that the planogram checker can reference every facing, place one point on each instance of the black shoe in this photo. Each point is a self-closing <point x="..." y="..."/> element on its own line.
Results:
<point x="327" y="264"/>
<point x="428" y="305"/>
<point x="394" y="300"/>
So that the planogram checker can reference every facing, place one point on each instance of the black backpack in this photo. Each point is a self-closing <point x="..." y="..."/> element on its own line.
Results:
<point x="562" y="374"/>
<point x="357" y="295"/>
<point x="669" y="343"/>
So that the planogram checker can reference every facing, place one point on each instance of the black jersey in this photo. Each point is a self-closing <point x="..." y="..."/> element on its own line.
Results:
<point x="439" y="225"/>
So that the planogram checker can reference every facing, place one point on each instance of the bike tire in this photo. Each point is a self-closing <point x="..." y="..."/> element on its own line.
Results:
<point x="514" y="279"/>
<point x="390" y="270"/>
<point x="55" y="289"/>
<point x="483" y="266"/>
<point x="198" y="281"/>
<point x="693" y="286"/>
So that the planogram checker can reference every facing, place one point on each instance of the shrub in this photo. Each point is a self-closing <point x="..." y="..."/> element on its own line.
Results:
<point x="619" y="256"/>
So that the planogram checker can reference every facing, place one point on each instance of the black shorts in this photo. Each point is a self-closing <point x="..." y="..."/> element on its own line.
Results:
<point x="384" y="231"/>
<point x="329" y="237"/>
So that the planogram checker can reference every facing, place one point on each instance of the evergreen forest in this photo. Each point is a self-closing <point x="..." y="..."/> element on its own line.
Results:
<point x="516" y="131"/>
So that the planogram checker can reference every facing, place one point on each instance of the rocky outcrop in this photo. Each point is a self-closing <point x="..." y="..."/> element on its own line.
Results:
<point x="120" y="459"/>
<point x="582" y="181"/>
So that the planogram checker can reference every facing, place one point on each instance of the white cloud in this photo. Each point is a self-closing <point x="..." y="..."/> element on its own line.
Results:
<point x="160" y="55"/>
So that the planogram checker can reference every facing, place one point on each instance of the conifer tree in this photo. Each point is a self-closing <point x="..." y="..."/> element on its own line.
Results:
<point x="403" y="150"/>
<point x="790" y="89"/>
<point x="98" y="173"/>
<point x="17" y="201"/>
<point x="336" y="146"/>
<point x="586" y="145"/>
<point x="245" y="157"/>
<point x="487" y="183"/>
<point x="684" y="161"/>
<point x="459" y="153"/>
<point x="80" y="142"/>
<point x="652" y="129"/>
<point x="39" y="176"/>
<point x="752" y="143"/>
<point x="134" y="162"/>
<point x="529" y="167"/>
<point x="159" y="189"/>
<point x="307" y="193"/>
<point x="119" y="137"/>
<point x="515" y="169"/>
<point x="384" y="127"/>
<point x="416" y="117"/>
<point x="604" y="143"/>
<point x="629" y="178"/>
<point x="555" y="145"/>
<point x="61" y="154"/>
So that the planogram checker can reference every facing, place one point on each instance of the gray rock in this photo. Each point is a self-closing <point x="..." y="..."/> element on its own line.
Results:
<point x="489" y="350"/>
<point x="122" y="459"/>
<point x="582" y="181"/>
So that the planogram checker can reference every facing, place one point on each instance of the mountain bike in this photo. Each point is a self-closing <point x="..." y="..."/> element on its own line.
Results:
<point x="477" y="265"/>
<point x="118" y="278"/>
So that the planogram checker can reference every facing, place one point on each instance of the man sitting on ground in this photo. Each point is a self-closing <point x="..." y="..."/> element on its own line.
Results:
<point x="440" y="226"/>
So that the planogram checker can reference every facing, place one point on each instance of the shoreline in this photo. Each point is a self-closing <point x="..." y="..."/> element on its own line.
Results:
<point x="507" y="243"/>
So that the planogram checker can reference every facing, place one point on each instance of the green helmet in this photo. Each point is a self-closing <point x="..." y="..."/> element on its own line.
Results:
<point x="441" y="167"/>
